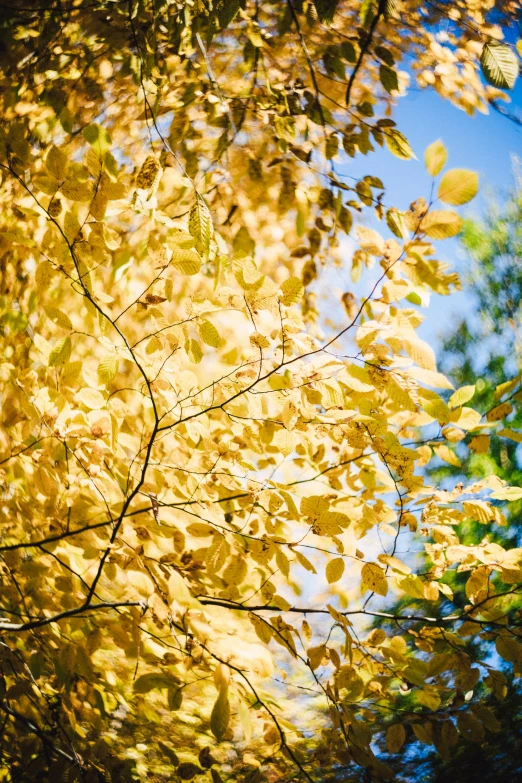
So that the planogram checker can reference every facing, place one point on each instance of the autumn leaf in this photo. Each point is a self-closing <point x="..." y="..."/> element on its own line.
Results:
<point x="374" y="579"/>
<point x="435" y="157"/>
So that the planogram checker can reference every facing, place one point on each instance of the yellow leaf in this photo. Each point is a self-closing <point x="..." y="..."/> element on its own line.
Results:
<point x="58" y="317"/>
<point x="193" y="349"/>
<point x="421" y="353"/>
<point x="142" y="583"/>
<point x="507" y="493"/>
<point x="429" y="697"/>
<point x="511" y="434"/>
<point x="259" y="340"/>
<point x="209" y="334"/>
<point x="285" y="440"/>
<point x="462" y="395"/>
<point x="217" y="554"/>
<point x="435" y="157"/>
<point x="186" y="261"/>
<point x="370" y="240"/>
<point x="200" y="223"/>
<point x="108" y="368"/>
<point x="75" y="190"/>
<point x="394" y="562"/>
<point x="477" y="584"/>
<point x="235" y="571"/>
<point x="509" y="649"/>
<point x="91" y="398"/>
<point x="57" y="163"/>
<point x="499" y="412"/>
<point x="60" y="352"/>
<point x="98" y="138"/>
<point x="441" y="224"/>
<point x="244" y="717"/>
<point x="200" y="529"/>
<point x="221" y="676"/>
<point x="479" y="444"/>
<point x="290" y="415"/>
<point x="220" y="716"/>
<point x="505" y="388"/>
<point x="444" y="453"/>
<point x="431" y="378"/>
<point x="395" y="737"/>
<point x="292" y="290"/>
<point x="423" y="732"/>
<point x="479" y="510"/>
<point x="398" y="144"/>
<point x="302" y="560"/>
<point x="468" y="419"/>
<point x="263" y="630"/>
<point x="458" y="186"/>
<point x="334" y="570"/>
<point x="374" y="579"/>
<point x="313" y="506"/>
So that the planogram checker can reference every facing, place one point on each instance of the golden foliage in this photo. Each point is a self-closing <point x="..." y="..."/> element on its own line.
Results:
<point x="195" y="452"/>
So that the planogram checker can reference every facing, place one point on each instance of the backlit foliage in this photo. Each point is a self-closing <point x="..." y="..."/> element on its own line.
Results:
<point x="211" y="478"/>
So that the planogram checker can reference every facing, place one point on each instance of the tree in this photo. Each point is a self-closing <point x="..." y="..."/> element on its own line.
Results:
<point x="486" y="348"/>
<point x="203" y="477"/>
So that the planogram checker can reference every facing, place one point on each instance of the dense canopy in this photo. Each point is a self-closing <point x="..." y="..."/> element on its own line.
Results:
<point x="215" y="469"/>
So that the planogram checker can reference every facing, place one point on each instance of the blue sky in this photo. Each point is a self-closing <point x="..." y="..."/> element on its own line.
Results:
<point x="483" y="143"/>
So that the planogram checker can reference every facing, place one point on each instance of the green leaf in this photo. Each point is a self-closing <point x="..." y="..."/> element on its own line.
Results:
<point x="441" y="224"/>
<point x="148" y="682"/>
<point x="388" y="77"/>
<point x="348" y="52"/>
<point x="98" y="138"/>
<point x="435" y="157"/>
<point x="385" y="55"/>
<point x="367" y="12"/>
<point x="227" y="9"/>
<point x="326" y="9"/>
<point x="458" y="186"/>
<point x="175" y="698"/>
<point x="499" y="65"/>
<point x="414" y="298"/>
<point x="66" y="120"/>
<point x="398" y="144"/>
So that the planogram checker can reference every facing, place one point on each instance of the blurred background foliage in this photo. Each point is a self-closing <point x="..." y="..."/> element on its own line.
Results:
<point x="485" y="343"/>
